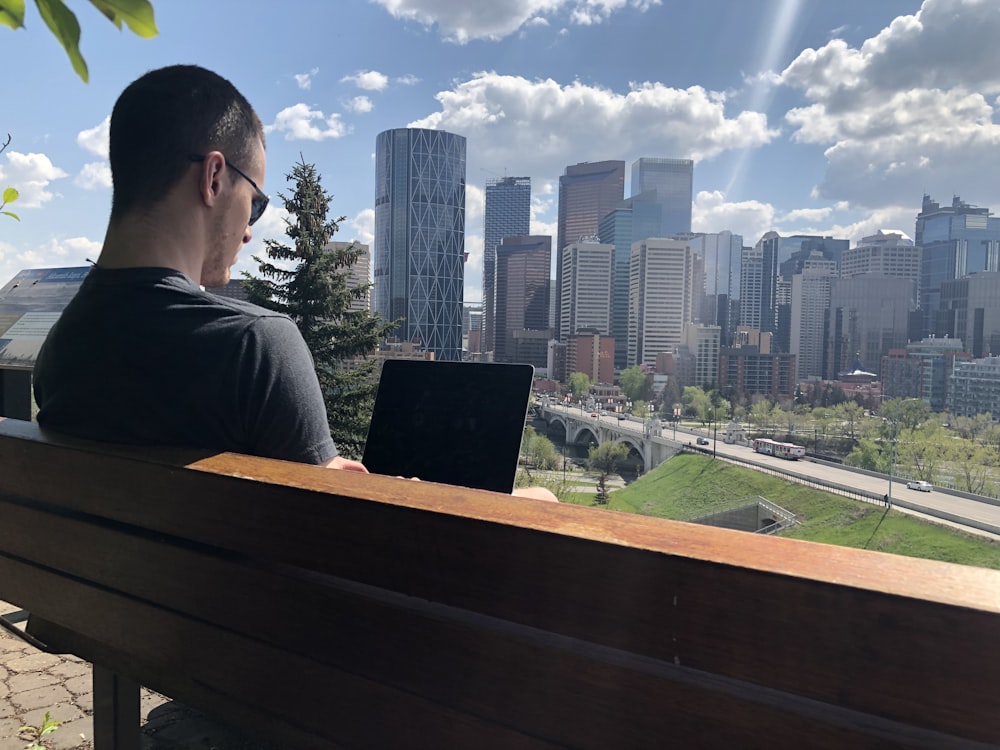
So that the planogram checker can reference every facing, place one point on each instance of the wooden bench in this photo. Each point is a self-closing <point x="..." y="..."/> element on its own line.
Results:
<point x="329" y="609"/>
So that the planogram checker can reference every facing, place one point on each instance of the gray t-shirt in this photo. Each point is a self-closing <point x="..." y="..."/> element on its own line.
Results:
<point x="144" y="356"/>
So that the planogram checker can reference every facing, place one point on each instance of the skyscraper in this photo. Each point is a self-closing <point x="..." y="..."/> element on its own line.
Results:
<point x="587" y="192"/>
<point x="765" y="281"/>
<point x="522" y="294"/>
<point x="586" y="291"/>
<point x="672" y="179"/>
<point x="758" y="284"/>
<point x="885" y="253"/>
<point x="956" y="240"/>
<point x="970" y="311"/>
<point x="358" y="274"/>
<point x="810" y="301"/>
<point x="869" y="317"/>
<point x="420" y="236"/>
<point x="660" y="291"/>
<point x="721" y="257"/>
<point x="635" y="218"/>
<point x="507" y="214"/>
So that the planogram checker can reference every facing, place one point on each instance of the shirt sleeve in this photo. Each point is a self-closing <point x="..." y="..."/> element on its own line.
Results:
<point x="283" y="411"/>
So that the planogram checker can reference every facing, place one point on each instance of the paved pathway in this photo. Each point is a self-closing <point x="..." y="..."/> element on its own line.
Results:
<point x="33" y="682"/>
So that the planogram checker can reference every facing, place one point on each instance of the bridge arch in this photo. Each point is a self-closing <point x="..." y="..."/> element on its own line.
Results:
<point x="583" y="435"/>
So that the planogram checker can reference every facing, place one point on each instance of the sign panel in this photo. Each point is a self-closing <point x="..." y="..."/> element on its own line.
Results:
<point x="30" y="304"/>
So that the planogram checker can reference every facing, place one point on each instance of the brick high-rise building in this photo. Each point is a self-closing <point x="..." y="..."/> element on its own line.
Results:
<point x="587" y="193"/>
<point x="522" y="295"/>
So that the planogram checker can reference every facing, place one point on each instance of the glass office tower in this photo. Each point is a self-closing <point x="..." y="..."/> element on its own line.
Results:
<point x="420" y="236"/>
<point x="673" y="181"/>
<point x="956" y="240"/>
<point x="508" y="214"/>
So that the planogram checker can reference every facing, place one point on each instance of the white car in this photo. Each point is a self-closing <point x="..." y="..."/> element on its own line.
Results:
<point x="919" y="485"/>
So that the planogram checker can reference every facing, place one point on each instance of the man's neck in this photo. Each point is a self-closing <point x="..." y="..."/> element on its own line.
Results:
<point x="145" y="242"/>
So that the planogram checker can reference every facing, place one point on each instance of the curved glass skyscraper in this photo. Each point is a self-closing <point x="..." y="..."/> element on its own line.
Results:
<point x="420" y="236"/>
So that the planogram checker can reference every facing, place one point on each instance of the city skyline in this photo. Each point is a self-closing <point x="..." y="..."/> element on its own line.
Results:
<point x="806" y="118"/>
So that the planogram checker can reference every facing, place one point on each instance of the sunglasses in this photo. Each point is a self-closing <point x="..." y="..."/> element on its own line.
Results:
<point x="258" y="203"/>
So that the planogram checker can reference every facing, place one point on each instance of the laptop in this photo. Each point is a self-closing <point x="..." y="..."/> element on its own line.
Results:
<point x="453" y="422"/>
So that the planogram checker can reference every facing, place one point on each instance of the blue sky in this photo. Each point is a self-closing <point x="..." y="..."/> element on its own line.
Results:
<point x="802" y="115"/>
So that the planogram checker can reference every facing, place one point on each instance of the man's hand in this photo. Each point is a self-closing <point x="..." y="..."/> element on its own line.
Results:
<point x="538" y="493"/>
<point x="345" y="464"/>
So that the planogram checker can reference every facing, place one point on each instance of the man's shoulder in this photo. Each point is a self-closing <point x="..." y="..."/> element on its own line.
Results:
<point x="242" y="307"/>
<point x="163" y="302"/>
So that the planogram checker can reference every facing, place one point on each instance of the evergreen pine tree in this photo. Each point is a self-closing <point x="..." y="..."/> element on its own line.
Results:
<point x="309" y="282"/>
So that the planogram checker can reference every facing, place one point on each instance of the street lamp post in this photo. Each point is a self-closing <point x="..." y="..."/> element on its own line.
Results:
<point x="892" y="460"/>
<point x="715" y="433"/>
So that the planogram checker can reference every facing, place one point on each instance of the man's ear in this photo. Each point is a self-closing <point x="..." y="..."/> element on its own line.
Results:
<point x="210" y="177"/>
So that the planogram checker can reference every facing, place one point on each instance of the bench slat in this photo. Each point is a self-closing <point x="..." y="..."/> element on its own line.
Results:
<point x="569" y="698"/>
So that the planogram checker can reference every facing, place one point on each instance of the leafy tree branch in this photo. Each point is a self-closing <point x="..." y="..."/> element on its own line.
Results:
<point x="62" y="22"/>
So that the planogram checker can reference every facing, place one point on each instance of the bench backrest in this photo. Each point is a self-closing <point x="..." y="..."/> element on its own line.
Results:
<point x="332" y="607"/>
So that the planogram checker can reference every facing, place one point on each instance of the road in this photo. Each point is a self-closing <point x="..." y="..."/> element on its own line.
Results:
<point x="937" y="500"/>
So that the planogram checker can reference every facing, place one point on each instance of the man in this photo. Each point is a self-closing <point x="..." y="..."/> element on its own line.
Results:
<point x="143" y="355"/>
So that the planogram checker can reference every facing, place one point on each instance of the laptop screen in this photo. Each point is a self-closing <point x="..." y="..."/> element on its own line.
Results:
<point x="453" y="422"/>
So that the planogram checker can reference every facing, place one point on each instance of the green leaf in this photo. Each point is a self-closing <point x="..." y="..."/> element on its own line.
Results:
<point x="11" y="215"/>
<point x="10" y="195"/>
<point x="137" y="14"/>
<point x="62" y="22"/>
<point x="12" y="13"/>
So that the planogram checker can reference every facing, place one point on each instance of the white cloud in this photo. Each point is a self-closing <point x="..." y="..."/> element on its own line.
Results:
<point x="31" y="175"/>
<point x="806" y="214"/>
<point x="543" y="204"/>
<point x="71" y="251"/>
<point x="94" y="176"/>
<point x="407" y="80"/>
<point x="360" y="104"/>
<point x="475" y="206"/>
<point x="712" y="213"/>
<point x="271" y="226"/>
<point x="363" y="225"/>
<point x="910" y="111"/>
<point x="75" y="250"/>
<point x="752" y="219"/>
<point x="299" y="122"/>
<point x="494" y="20"/>
<point x="475" y="213"/>
<point x="369" y="80"/>
<point x="95" y="140"/>
<point x="511" y="120"/>
<point x="272" y="223"/>
<point x="888" y="218"/>
<point x="304" y="80"/>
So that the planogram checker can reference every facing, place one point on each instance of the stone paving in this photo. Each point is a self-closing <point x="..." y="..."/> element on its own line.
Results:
<point x="33" y="683"/>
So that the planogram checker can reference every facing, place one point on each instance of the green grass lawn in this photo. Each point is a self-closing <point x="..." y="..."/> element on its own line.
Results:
<point x="690" y="486"/>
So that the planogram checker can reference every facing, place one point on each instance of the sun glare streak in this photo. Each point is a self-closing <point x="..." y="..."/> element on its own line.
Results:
<point x="762" y="89"/>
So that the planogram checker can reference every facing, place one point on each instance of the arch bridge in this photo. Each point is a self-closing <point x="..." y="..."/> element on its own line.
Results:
<point x="644" y="438"/>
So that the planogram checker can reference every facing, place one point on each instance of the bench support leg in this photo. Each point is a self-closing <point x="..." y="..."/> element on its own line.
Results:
<point x="116" y="711"/>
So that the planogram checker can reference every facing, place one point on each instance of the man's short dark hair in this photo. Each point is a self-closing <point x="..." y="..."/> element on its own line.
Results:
<point x="166" y="116"/>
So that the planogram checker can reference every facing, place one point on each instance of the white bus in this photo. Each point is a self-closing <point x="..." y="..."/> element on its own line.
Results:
<point x="769" y="447"/>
